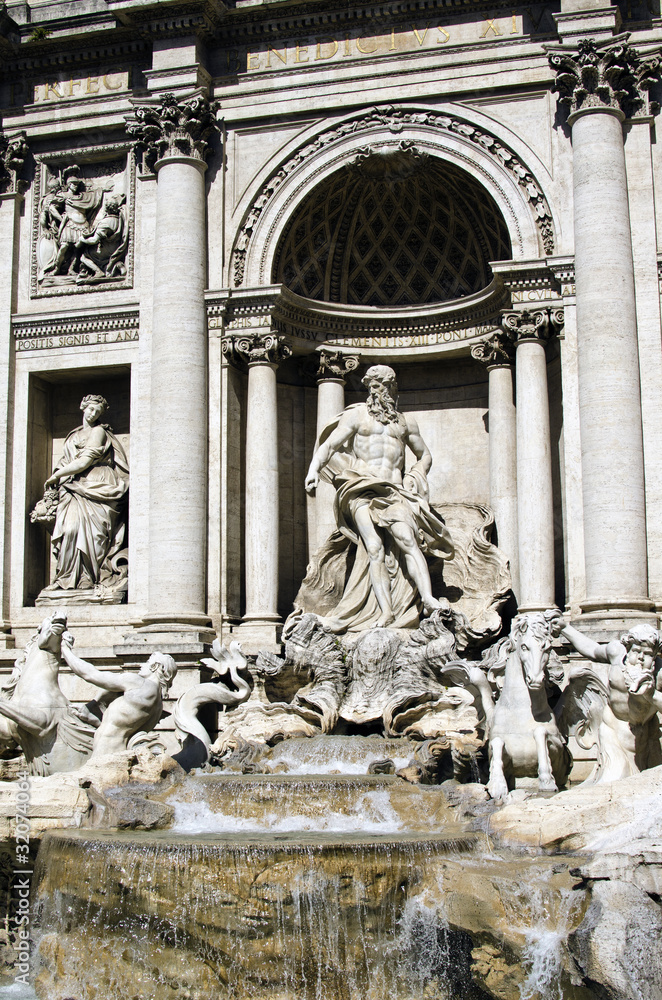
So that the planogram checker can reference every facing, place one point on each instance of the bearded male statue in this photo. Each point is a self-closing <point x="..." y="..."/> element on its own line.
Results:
<point x="373" y="571"/>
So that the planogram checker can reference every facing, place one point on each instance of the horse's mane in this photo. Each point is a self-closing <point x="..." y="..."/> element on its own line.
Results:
<point x="495" y="658"/>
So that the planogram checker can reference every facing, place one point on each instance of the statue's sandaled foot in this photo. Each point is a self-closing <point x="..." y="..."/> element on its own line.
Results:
<point x="384" y="620"/>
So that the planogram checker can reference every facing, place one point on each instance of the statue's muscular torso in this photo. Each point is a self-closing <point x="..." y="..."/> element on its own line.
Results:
<point x="380" y="447"/>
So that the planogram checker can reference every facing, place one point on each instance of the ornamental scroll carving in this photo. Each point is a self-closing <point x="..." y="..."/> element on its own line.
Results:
<point x="256" y="349"/>
<point x="335" y="365"/>
<point x="604" y="75"/>
<point x="397" y="119"/>
<point x="532" y="324"/>
<point x="174" y="128"/>
<point x="496" y="351"/>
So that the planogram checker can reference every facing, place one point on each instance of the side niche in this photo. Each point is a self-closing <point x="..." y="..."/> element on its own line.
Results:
<point x="83" y="223"/>
<point x="93" y="505"/>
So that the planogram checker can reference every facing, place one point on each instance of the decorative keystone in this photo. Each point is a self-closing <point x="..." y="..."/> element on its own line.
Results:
<point x="175" y="128"/>
<point x="496" y="351"/>
<point x="604" y="75"/>
<point x="256" y="349"/>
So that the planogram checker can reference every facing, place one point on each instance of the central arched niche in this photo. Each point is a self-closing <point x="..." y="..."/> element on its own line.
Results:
<point x="393" y="228"/>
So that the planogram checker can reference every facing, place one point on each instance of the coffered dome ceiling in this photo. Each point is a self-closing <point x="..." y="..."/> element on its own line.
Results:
<point x="392" y="229"/>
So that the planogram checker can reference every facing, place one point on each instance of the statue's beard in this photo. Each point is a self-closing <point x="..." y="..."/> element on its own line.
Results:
<point x="381" y="405"/>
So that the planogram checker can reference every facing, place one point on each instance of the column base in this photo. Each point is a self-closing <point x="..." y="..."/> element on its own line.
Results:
<point x="187" y="643"/>
<point x="256" y="635"/>
<point x="604" y="624"/>
<point x="531" y="607"/>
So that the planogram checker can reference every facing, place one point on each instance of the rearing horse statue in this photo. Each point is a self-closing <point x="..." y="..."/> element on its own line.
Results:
<point x="35" y="713"/>
<point x="523" y="735"/>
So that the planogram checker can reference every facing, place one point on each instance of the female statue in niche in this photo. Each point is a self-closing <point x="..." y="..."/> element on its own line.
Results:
<point x="88" y="493"/>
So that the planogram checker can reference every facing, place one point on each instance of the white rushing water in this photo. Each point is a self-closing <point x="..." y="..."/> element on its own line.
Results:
<point x="17" y="991"/>
<point x="372" y="812"/>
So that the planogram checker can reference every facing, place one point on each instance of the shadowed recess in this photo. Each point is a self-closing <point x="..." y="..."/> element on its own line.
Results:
<point x="393" y="228"/>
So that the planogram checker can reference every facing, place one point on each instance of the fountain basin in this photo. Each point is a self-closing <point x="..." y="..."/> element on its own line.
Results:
<point x="377" y="804"/>
<point x="310" y="916"/>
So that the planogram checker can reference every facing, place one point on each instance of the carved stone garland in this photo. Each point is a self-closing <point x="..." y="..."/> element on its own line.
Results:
<point x="396" y="119"/>
<point x="174" y="128"/>
<point x="599" y="75"/>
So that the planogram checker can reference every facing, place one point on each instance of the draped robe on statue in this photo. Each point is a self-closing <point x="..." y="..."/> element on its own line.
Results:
<point x="337" y="585"/>
<point x="90" y="525"/>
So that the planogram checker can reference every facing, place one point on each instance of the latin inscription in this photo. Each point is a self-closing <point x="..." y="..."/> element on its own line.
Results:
<point x="75" y="340"/>
<point x="64" y="87"/>
<point x="385" y="40"/>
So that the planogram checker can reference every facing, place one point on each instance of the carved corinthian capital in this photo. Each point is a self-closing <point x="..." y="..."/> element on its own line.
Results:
<point x="256" y="349"/>
<point x="335" y="365"/>
<point x="496" y="351"/>
<point x="604" y="75"/>
<point x="14" y="153"/>
<point x="527" y="325"/>
<point x="174" y="128"/>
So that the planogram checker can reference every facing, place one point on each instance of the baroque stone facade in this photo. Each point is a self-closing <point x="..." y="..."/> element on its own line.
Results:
<point x="217" y="220"/>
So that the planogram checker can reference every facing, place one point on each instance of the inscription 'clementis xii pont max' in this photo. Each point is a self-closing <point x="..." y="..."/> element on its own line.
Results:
<point x="331" y="475"/>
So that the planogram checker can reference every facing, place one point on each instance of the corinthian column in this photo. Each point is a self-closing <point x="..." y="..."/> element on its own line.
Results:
<point x="174" y="138"/>
<point x="497" y="353"/>
<point x="602" y="84"/>
<point x="535" y="507"/>
<point x="261" y="353"/>
<point x="333" y="367"/>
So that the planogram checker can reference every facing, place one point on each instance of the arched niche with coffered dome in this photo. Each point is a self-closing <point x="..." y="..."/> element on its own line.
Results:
<point x="394" y="227"/>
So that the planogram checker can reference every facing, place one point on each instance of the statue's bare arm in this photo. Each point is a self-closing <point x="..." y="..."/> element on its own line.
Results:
<point x="418" y="446"/>
<point x="347" y="427"/>
<point x="100" y="678"/>
<point x="610" y="652"/>
<point x="92" y="451"/>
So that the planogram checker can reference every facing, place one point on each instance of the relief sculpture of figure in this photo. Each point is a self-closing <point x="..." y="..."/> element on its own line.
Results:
<point x="386" y="526"/>
<point x="90" y="521"/>
<point x="614" y="705"/>
<point x="78" y="208"/>
<point x="104" y="249"/>
<point x="138" y="708"/>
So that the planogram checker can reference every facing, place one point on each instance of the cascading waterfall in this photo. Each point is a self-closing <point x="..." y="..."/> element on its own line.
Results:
<point x="306" y="916"/>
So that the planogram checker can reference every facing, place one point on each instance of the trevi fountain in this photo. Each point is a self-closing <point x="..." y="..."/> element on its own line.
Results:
<point x="331" y="475"/>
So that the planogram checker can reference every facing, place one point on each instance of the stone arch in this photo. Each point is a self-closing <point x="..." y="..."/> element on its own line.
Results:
<point x="428" y="132"/>
<point x="396" y="228"/>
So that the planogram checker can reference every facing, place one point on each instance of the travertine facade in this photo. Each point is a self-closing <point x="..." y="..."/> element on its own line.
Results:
<point x="218" y="217"/>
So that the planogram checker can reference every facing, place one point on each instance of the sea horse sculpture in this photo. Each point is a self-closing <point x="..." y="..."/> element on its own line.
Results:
<point x="186" y="710"/>
<point x="523" y="735"/>
<point x="35" y="714"/>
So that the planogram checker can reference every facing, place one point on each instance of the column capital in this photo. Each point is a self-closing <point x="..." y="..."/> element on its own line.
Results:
<point x="174" y="128"/>
<point x="13" y="155"/>
<point x="608" y="76"/>
<point x="528" y="325"/>
<point x="256" y="349"/>
<point x="334" y="365"/>
<point x="495" y="351"/>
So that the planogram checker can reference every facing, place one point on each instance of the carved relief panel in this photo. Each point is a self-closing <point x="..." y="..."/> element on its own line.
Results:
<point x="83" y="221"/>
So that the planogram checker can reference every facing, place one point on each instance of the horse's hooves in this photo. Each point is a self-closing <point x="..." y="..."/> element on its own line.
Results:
<point x="548" y="786"/>
<point x="498" y="791"/>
